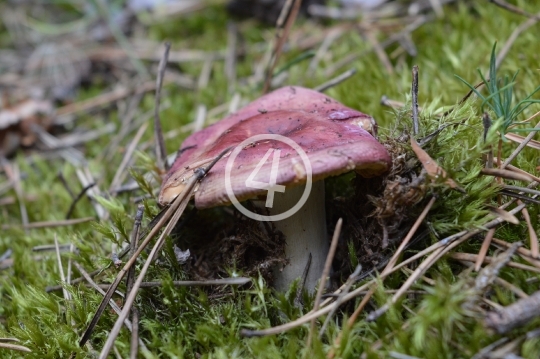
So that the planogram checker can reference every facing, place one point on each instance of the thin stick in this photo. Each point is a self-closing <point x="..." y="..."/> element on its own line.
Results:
<point x="175" y="211"/>
<point x="14" y="347"/>
<point x="127" y="157"/>
<point x="513" y="37"/>
<point x="50" y="224"/>
<point x="13" y="174"/>
<point x="325" y="273"/>
<point x="112" y="303"/>
<point x="521" y="145"/>
<point x="409" y="235"/>
<point x="483" y="250"/>
<point x="134" y="349"/>
<point x="230" y="59"/>
<point x="511" y="8"/>
<point x="448" y="242"/>
<point x="161" y="154"/>
<point x="347" y="287"/>
<point x="77" y="199"/>
<point x="532" y="234"/>
<point x="134" y="242"/>
<point x="193" y="283"/>
<point x="67" y="296"/>
<point x="336" y="80"/>
<point x="166" y="216"/>
<point x="414" y="95"/>
<point x="388" y="269"/>
<point x="281" y="35"/>
<point x="379" y="51"/>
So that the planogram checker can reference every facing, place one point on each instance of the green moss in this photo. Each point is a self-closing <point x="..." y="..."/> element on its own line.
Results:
<point x="181" y="322"/>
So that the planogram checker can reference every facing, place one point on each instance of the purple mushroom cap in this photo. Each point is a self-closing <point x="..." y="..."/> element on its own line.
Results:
<point x="331" y="134"/>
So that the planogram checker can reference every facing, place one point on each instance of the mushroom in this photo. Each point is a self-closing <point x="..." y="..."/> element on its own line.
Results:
<point x="285" y="144"/>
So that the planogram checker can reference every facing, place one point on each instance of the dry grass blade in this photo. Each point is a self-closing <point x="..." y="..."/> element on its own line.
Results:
<point x="77" y="199"/>
<point x="335" y="81"/>
<point x="513" y="37"/>
<point x="532" y="233"/>
<point x="523" y="141"/>
<point x="445" y="247"/>
<point x="161" y="154"/>
<point x="16" y="347"/>
<point x="13" y="174"/>
<point x="166" y="216"/>
<point x="133" y="246"/>
<point x="511" y="8"/>
<point x="288" y="14"/>
<point x="506" y="174"/>
<point x="314" y="314"/>
<point x="50" y="224"/>
<point x="178" y="207"/>
<point x="120" y="172"/>
<point x="134" y="349"/>
<point x="507" y="216"/>
<point x="483" y="249"/>
<point x="324" y="276"/>
<point x="346" y="288"/>
<point x="112" y="303"/>
<point x="67" y="296"/>
<point x="102" y="100"/>
<point x="469" y="257"/>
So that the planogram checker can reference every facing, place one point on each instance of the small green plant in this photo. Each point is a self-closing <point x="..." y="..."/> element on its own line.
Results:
<point x="501" y="97"/>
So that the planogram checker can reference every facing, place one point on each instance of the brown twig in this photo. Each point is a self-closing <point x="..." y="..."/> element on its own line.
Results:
<point x="324" y="276"/>
<point x="336" y="80"/>
<point x="288" y="14"/>
<point x="414" y="96"/>
<point x="532" y="233"/>
<point x="77" y="199"/>
<point x="161" y="153"/>
<point x="379" y="51"/>
<point x="505" y="174"/>
<point x="514" y="315"/>
<point x="512" y="8"/>
<point x="513" y="37"/>
<point x="469" y="257"/>
<point x="521" y="145"/>
<point x="112" y="304"/>
<point x="118" y="176"/>
<point x="489" y="273"/>
<point x="134" y="345"/>
<point x="174" y="213"/>
<point x="50" y="224"/>
<point x="483" y="249"/>
<point x="134" y="242"/>
<point x="230" y="59"/>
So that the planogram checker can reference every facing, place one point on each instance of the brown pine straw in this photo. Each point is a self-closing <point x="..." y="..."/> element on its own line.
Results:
<point x="523" y="252"/>
<point x="532" y="233"/>
<point x="469" y="257"/>
<point x="324" y="276"/>
<point x="438" y="250"/>
<point x="288" y="12"/>
<point x="483" y="250"/>
<point x="387" y="269"/>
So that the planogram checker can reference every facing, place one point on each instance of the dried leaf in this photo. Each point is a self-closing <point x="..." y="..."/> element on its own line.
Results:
<point x="507" y="216"/>
<point x="431" y="167"/>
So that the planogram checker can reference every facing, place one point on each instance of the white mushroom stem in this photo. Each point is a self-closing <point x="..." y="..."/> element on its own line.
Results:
<point x="305" y="233"/>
